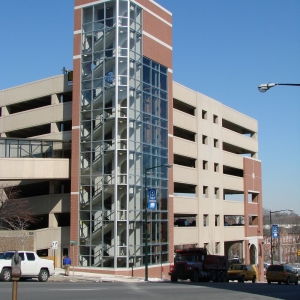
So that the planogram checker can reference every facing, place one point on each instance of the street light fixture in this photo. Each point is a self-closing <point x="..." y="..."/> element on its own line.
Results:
<point x="263" y="88"/>
<point x="146" y="216"/>
<point x="273" y="212"/>
<point x="266" y="86"/>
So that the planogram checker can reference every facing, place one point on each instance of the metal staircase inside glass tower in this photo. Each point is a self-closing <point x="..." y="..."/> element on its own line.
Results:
<point x="111" y="62"/>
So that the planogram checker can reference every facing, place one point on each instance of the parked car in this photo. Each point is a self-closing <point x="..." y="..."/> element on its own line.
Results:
<point x="281" y="273"/>
<point x="182" y="222"/>
<point x="1" y="255"/>
<point x="235" y="260"/>
<point x="32" y="266"/>
<point x="241" y="273"/>
<point x="266" y="265"/>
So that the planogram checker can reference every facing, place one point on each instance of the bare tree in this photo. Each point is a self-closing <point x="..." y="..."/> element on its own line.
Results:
<point x="20" y="226"/>
<point x="15" y="214"/>
<point x="266" y="216"/>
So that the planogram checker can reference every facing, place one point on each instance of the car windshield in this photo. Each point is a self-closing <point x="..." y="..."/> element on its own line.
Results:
<point x="185" y="257"/>
<point x="236" y="267"/>
<point x="8" y="255"/>
<point x="275" y="268"/>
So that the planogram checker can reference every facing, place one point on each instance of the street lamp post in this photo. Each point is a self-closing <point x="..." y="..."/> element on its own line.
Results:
<point x="263" y="88"/>
<point x="266" y="86"/>
<point x="146" y="216"/>
<point x="273" y="212"/>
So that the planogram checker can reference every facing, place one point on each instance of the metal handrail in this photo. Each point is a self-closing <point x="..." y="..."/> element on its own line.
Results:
<point x="13" y="150"/>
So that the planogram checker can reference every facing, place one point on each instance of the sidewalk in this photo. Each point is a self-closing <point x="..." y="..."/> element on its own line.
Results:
<point x="93" y="277"/>
<point x="60" y="276"/>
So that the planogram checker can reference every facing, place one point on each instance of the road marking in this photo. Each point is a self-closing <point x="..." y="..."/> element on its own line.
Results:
<point x="76" y="290"/>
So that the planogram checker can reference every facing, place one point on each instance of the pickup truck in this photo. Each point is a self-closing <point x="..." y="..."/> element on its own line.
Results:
<point x="32" y="266"/>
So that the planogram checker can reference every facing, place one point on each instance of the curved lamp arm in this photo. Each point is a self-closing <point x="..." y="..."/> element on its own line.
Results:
<point x="266" y="86"/>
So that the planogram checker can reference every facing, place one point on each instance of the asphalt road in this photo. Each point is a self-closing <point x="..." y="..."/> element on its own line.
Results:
<point x="32" y="290"/>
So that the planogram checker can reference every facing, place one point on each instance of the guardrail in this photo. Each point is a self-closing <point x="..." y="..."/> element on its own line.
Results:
<point x="32" y="148"/>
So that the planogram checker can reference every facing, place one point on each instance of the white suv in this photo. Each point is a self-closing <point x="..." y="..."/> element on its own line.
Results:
<point x="32" y="266"/>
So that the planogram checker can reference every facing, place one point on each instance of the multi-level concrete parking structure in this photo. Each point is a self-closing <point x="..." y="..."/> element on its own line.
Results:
<point x="85" y="160"/>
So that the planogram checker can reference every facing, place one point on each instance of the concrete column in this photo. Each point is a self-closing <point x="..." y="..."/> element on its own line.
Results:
<point x="54" y="128"/>
<point x="52" y="220"/>
<point x="5" y="111"/>
<point x="54" y="99"/>
<point x="51" y="187"/>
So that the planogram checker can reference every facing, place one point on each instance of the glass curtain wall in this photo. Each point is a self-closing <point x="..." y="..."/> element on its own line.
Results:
<point x="123" y="130"/>
<point x="148" y="141"/>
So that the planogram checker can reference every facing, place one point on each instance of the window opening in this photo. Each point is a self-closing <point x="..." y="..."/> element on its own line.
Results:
<point x="205" y="191"/>
<point x="216" y="143"/>
<point x="205" y="220"/>
<point x="215" y="119"/>
<point x="217" y="193"/>
<point x="216" y="167"/>
<point x="217" y="220"/>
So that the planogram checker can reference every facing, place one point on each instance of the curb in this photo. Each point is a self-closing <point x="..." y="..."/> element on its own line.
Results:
<point x="60" y="277"/>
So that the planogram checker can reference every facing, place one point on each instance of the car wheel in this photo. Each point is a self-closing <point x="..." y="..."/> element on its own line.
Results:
<point x="269" y="281"/>
<point x="279" y="282"/>
<point x="254" y="279"/>
<point x="242" y="280"/>
<point x="44" y="275"/>
<point x="6" y="274"/>
<point x="213" y="276"/>
<point x="195" y="276"/>
<point x="224" y="276"/>
<point x="296" y="282"/>
<point x="287" y="281"/>
<point x="174" y="278"/>
<point x="219" y="276"/>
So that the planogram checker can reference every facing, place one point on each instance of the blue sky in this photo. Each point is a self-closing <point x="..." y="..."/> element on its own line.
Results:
<point x="223" y="49"/>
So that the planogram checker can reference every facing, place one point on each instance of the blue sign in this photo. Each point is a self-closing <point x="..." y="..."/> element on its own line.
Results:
<point x="152" y="199"/>
<point x="275" y="231"/>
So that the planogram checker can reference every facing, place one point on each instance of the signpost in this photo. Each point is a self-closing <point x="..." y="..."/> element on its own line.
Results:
<point x="54" y="247"/>
<point x="152" y="203"/>
<point x="275" y="231"/>
<point x="73" y="243"/>
<point x="149" y="205"/>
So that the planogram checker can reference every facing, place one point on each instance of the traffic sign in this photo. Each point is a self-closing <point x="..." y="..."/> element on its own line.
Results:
<point x="275" y="231"/>
<point x="152" y="199"/>
<point x="73" y="243"/>
<point x="54" y="244"/>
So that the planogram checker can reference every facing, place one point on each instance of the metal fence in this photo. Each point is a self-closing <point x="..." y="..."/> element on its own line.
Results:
<point x="31" y="148"/>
